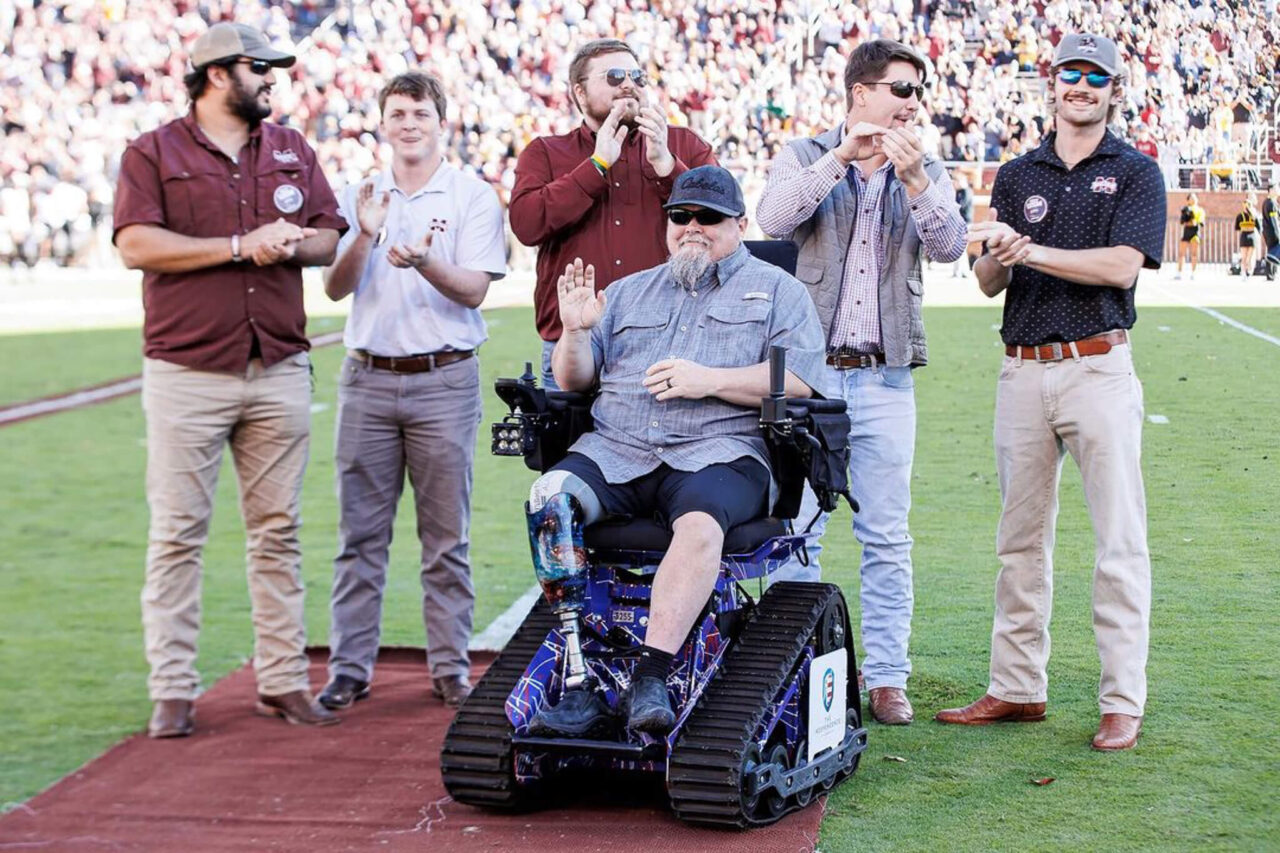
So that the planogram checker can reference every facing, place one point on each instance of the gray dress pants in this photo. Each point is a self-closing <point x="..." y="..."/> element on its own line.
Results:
<point x="389" y="424"/>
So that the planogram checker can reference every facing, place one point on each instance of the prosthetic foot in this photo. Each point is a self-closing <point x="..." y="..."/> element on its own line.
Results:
<point x="579" y="713"/>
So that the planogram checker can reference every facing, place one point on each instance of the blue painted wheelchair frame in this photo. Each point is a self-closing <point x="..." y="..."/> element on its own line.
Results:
<point x="616" y="605"/>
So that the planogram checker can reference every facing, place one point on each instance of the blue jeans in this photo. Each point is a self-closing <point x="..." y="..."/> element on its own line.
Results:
<point x="882" y="435"/>
<point x="548" y="381"/>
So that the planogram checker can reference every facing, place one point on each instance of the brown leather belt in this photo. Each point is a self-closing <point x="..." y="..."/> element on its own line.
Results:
<point x="1096" y="345"/>
<point x="410" y="363"/>
<point x="852" y="360"/>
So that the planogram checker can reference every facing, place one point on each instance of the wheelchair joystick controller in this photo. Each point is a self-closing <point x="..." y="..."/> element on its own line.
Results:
<point x="560" y="563"/>
<point x="773" y="409"/>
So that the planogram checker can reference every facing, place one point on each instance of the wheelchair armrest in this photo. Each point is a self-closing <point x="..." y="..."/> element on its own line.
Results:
<point x="811" y="443"/>
<point x="542" y="425"/>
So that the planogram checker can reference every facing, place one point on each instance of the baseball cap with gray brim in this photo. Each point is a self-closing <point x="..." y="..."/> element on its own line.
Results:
<point x="712" y="187"/>
<point x="1086" y="47"/>
<point x="227" y="40"/>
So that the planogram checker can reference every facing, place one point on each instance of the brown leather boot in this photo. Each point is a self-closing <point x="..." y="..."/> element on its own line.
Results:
<point x="989" y="710"/>
<point x="172" y="718"/>
<point x="298" y="708"/>
<point x="1117" y="732"/>
<point x="453" y="689"/>
<point x="890" y="706"/>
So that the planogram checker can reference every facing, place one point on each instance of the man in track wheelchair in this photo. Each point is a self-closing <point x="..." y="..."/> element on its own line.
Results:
<point x="679" y="357"/>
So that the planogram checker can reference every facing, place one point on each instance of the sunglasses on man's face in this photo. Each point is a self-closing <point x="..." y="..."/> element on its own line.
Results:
<point x="256" y="66"/>
<point x="1096" y="79"/>
<point x="902" y="89"/>
<point x="616" y="76"/>
<point x="703" y="217"/>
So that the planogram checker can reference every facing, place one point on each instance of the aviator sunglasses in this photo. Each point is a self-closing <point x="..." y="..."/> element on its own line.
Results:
<point x="901" y="89"/>
<point x="704" y="217"/>
<point x="1096" y="79"/>
<point x="615" y="77"/>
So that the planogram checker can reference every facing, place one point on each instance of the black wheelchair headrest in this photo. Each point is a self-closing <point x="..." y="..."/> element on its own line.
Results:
<point x="780" y="253"/>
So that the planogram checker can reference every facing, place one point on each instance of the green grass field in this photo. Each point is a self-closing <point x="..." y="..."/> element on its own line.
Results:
<point x="1205" y="774"/>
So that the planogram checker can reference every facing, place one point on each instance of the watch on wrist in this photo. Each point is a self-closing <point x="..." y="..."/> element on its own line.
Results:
<point x="235" y="249"/>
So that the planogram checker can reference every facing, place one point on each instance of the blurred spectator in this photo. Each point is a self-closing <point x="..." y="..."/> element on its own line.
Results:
<point x="80" y="77"/>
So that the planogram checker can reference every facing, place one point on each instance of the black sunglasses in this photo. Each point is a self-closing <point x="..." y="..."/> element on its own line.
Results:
<point x="615" y="77"/>
<point x="902" y="89"/>
<point x="1096" y="79"/>
<point x="256" y="66"/>
<point x="704" y="217"/>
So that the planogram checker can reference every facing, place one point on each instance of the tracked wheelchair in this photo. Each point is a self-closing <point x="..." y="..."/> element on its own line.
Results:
<point x="767" y="710"/>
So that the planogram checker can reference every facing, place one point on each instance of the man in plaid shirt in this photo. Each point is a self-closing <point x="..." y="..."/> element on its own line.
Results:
<point x="865" y="206"/>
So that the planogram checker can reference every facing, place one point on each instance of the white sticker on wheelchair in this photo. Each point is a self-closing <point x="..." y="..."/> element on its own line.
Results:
<point x="828" y="694"/>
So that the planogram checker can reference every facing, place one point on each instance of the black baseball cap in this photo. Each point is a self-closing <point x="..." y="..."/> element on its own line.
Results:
<point x="712" y="187"/>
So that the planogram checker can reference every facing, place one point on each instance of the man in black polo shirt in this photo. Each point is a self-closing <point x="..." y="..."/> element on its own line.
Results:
<point x="1071" y="225"/>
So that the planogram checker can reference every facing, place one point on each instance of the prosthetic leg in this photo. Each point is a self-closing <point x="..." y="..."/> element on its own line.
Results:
<point x="560" y="563"/>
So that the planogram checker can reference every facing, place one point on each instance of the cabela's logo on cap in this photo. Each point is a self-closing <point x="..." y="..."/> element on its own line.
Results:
<point x="288" y="198"/>
<point x="703" y="184"/>
<point x="1035" y="208"/>
<point x="1087" y="44"/>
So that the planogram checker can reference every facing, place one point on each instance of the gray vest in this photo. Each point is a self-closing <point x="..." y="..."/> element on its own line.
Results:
<point x="824" y="246"/>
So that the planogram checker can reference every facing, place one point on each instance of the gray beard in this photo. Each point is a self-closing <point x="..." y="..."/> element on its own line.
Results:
<point x="689" y="265"/>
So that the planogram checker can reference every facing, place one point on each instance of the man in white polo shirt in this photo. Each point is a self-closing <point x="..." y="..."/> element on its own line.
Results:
<point x="428" y="241"/>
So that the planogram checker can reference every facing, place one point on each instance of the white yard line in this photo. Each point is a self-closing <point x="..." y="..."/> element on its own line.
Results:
<point x="102" y="393"/>
<point x="1217" y="315"/>
<point x="500" y="630"/>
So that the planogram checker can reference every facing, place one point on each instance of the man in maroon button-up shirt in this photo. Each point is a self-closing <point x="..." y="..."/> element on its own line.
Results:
<point x="221" y="211"/>
<point x="596" y="193"/>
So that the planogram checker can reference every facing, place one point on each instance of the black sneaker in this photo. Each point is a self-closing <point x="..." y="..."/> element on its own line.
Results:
<point x="579" y="713"/>
<point x="343" y="691"/>
<point x="648" y="707"/>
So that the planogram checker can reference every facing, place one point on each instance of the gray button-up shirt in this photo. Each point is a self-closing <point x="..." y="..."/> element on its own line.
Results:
<point x="741" y="308"/>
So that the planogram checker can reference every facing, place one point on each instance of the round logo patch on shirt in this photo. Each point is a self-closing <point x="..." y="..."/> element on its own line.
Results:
<point x="288" y="198"/>
<point x="1035" y="208"/>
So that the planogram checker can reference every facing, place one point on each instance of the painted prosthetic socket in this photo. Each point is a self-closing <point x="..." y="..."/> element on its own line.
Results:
<point x="560" y="506"/>
<point x="559" y="557"/>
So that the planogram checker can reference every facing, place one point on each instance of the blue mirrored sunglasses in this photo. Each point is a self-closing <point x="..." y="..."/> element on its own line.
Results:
<point x="1095" y="79"/>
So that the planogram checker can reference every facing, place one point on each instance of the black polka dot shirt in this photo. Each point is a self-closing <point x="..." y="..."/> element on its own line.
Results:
<point x="1114" y="197"/>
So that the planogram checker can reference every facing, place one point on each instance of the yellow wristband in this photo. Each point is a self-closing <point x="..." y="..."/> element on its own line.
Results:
<point x="600" y="163"/>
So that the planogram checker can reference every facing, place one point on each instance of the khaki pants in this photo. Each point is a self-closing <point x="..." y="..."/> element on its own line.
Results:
<point x="1090" y="407"/>
<point x="265" y="415"/>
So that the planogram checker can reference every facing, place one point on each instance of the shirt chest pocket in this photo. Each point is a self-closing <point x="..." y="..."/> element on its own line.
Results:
<point x="281" y="194"/>
<point x="195" y="200"/>
<point x="639" y="339"/>
<point x="733" y="335"/>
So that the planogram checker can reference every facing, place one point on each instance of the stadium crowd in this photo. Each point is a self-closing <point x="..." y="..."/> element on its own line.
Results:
<point x="79" y="78"/>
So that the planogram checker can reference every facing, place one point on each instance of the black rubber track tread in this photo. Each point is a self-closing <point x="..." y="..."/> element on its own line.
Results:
<point x="477" y="761"/>
<point x="704" y="773"/>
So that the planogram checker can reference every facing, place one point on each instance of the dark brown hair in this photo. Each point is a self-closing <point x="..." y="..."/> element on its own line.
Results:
<point x="588" y="52"/>
<point x="417" y="86"/>
<point x="869" y="60"/>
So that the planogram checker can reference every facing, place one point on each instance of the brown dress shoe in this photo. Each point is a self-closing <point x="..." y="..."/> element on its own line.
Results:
<point x="889" y="706"/>
<point x="172" y="718"/>
<point x="298" y="708"/>
<point x="989" y="709"/>
<point x="453" y="689"/>
<point x="1117" y="731"/>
